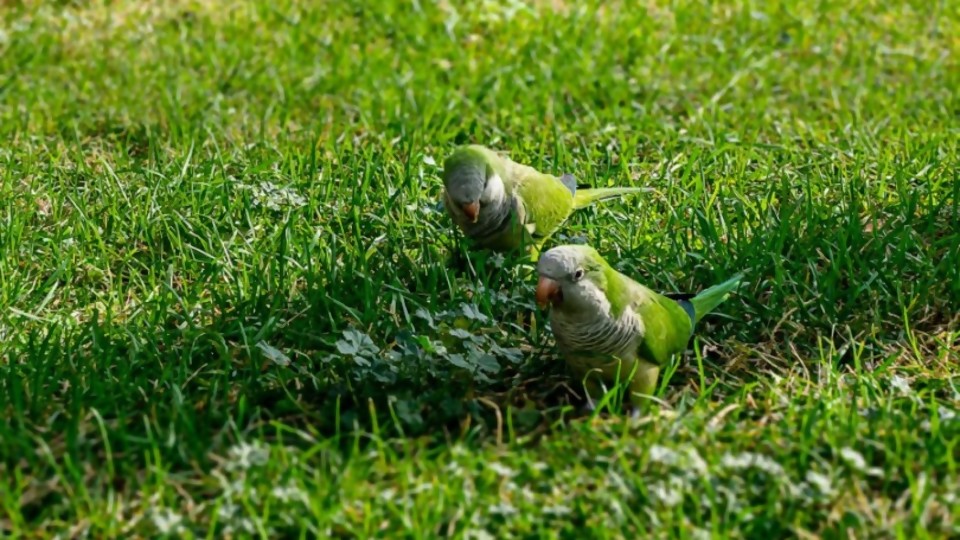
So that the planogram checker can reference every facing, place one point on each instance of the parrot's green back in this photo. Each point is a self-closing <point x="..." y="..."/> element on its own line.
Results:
<point x="668" y="322"/>
<point x="667" y="327"/>
<point x="545" y="201"/>
<point x="548" y="200"/>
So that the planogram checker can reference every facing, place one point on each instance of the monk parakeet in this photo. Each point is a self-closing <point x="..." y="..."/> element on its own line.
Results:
<point x="599" y="315"/>
<point x="502" y="205"/>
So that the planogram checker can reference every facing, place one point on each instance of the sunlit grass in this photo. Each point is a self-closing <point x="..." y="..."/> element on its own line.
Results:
<point x="228" y="304"/>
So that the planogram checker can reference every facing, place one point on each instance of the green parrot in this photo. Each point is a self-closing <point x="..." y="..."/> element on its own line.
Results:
<point x="502" y="205"/>
<point x="600" y="316"/>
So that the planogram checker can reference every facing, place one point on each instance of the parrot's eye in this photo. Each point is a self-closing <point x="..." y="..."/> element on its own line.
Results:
<point x="578" y="275"/>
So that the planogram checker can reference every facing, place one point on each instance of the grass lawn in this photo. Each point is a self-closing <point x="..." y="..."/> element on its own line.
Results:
<point x="227" y="307"/>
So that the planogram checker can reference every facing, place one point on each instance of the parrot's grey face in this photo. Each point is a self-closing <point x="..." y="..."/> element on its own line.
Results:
<point x="471" y="188"/>
<point x="569" y="278"/>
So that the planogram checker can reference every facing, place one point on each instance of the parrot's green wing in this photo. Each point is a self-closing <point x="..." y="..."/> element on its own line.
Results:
<point x="667" y="328"/>
<point x="550" y="200"/>
<point x="546" y="201"/>
<point x="670" y="319"/>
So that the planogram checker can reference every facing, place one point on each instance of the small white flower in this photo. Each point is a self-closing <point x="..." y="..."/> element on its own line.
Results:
<point x="226" y="511"/>
<point x="230" y="486"/>
<point x="247" y="525"/>
<point x="503" y="509"/>
<point x="290" y="492"/>
<point x="901" y="385"/>
<point x="167" y="521"/>
<point x="246" y="455"/>
<point x="856" y="462"/>
<point x="616" y="509"/>
<point x="700" y="534"/>
<point x="617" y="482"/>
<point x="478" y="534"/>
<point x="270" y="196"/>
<point x="273" y="354"/>
<point x="820" y="482"/>
<point x="749" y="460"/>
<point x="420" y="488"/>
<point x="503" y="10"/>
<point x="664" y="455"/>
<point x="668" y="495"/>
<point x="243" y="524"/>
<point x="695" y="462"/>
<point x="501" y="470"/>
<point x="558" y="510"/>
<point x="429" y="160"/>
<point x="853" y="458"/>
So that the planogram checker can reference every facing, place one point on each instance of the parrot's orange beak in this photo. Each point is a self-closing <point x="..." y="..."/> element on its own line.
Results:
<point x="548" y="291"/>
<point x="471" y="210"/>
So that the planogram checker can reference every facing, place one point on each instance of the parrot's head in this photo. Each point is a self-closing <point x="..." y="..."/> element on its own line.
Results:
<point x="571" y="277"/>
<point x="470" y="183"/>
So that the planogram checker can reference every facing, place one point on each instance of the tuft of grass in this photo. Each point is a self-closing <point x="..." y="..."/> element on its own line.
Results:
<point x="227" y="306"/>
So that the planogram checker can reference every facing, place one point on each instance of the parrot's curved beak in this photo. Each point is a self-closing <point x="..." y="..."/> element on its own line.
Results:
<point x="548" y="291"/>
<point x="471" y="210"/>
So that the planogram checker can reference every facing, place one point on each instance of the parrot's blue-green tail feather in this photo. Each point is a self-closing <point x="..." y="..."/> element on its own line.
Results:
<point x="710" y="298"/>
<point x="684" y="300"/>
<point x="585" y="197"/>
